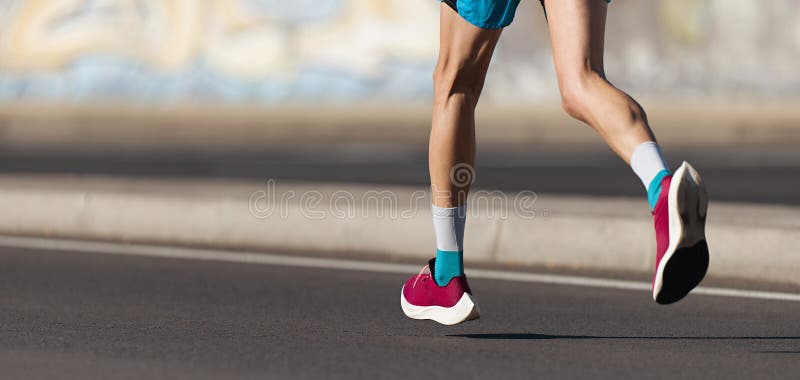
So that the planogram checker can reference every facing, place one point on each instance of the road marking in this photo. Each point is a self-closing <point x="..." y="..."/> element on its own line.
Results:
<point x="343" y="264"/>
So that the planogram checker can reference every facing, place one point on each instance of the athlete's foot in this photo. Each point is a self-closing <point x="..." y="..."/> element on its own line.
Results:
<point x="682" y="252"/>
<point x="422" y="298"/>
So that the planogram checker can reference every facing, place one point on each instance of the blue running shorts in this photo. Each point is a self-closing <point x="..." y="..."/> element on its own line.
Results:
<point x="487" y="14"/>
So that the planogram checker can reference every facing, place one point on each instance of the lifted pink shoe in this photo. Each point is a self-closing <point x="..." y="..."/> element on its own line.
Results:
<point x="681" y="248"/>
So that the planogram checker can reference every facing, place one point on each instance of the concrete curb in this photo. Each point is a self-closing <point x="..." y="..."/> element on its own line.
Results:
<point x="747" y="241"/>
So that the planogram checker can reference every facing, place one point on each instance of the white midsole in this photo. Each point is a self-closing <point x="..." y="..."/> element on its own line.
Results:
<point x="679" y="235"/>
<point x="464" y="310"/>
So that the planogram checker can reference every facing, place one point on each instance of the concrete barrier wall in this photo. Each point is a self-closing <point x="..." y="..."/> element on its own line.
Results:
<point x="270" y="52"/>
<point x="747" y="242"/>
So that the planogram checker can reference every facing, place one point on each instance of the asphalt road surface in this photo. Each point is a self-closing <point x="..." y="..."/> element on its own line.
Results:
<point x="745" y="174"/>
<point x="95" y="316"/>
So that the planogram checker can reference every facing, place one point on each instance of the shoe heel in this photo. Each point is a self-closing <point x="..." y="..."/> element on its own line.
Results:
<point x="682" y="192"/>
<point x="702" y="193"/>
<point x="691" y="203"/>
<point x="475" y="313"/>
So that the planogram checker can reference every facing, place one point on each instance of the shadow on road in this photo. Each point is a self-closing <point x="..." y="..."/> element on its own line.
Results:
<point x="529" y="336"/>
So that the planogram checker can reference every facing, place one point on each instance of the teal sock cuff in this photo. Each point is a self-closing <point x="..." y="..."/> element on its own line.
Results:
<point x="654" y="189"/>
<point x="449" y="264"/>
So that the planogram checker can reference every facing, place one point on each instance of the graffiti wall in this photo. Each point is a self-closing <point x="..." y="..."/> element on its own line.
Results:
<point x="228" y="50"/>
<point x="277" y="51"/>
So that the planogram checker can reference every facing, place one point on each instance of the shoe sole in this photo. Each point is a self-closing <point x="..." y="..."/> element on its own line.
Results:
<point x="686" y="261"/>
<point x="466" y="309"/>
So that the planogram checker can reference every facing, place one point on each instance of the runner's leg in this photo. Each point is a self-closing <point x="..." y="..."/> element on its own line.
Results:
<point x="577" y="32"/>
<point x="464" y="56"/>
<point x="443" y="294"/>
<point x="679" y="202"/>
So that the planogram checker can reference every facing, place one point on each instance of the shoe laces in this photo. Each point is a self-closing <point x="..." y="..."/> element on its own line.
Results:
<point x="426" y="267"/>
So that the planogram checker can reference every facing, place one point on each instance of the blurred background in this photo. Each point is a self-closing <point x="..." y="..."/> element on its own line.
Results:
<point x="272" y="53"/>
<point x="339" y="90"/>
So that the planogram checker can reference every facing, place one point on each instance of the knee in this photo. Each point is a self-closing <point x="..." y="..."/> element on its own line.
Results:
<point x="455" y="80"/>
<point x="576" y="92"/>
<point x="572" y="101"/>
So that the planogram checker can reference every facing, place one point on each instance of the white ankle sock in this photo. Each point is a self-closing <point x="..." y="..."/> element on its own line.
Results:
<point x="647" y="162"/>
<point x="448" y="224"/>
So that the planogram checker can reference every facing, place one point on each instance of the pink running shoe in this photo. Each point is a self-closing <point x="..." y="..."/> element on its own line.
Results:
<point x="681" y="249"/>
<point x="422" y="298"/>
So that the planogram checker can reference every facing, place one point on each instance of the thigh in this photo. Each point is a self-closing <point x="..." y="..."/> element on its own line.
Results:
<point x="577" y="33"/>
<point x="463" y="46"/>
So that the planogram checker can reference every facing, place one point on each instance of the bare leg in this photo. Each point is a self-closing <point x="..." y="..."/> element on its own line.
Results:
<point x="577" y="31"/>
<point x="464" y="56"/>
